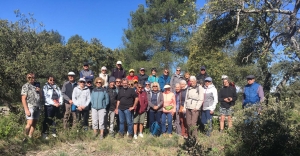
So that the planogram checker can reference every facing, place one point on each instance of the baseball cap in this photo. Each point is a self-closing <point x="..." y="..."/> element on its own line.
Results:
<point x="224" y="77"/>
<point x="88" y="80"/>
<point x="142" y="69"/>
<point x="111" y="79"/>
<point x="119" y="62"/>
<point x="147" y="82"/>
<point x="167" y="86"/>
<point x="208" y="79"/>
<point x="71" y="74"/>
<point x="153" y="69"/>
<point x="203" y="68"/>
<point x="131" y="70"/>
<point x="178" y="68"/>
<point x="85" y="64"/>
<point x="250" y="77"/>
<point x="103" y="68"/>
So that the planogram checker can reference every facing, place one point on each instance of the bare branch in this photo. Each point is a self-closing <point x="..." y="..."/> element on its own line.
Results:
<point x="247" y="57"/>
<point x="288" y="12"/>
<point x="237" y="20"/>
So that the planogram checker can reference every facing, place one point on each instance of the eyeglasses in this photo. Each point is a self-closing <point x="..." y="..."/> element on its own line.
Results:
<point x="249" y="79"/>
<point x="177" y="70"/>
<point x="202" y="69"/>
<point x="130" y="84"/>
<point x="207" y="81"/>
<point x="51" y="80"/>
<point x="89" y="82"/>
<point x="147" y="84"/>
<point x="81" y="82"/>
<point x="166" y="72"/>
<point x="118" y="81"/>
<point x="98" y="82"/>
<point x="154" y="86"/>
<point x="31" y="77"/>
<point x="140" y="87"/>
<point x="103" y="70"/>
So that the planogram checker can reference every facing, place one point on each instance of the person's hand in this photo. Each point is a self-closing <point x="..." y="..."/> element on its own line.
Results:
<point x="173" y="113"/>
<point x="116" y="111"/>
<point x="230" y="99"/>
<point x="79" y="108"/>
<point x="131" y="108"/>
<point x="71" y="102"/>
<point x="226" y="100"/>
<point x="27" y="112"/>
<point x="37" y="89"/>
<point x="211" y="112"/>
<point x="155" y="107"/>
<point x="183" y="110"/>
<point x="56" y="104"/>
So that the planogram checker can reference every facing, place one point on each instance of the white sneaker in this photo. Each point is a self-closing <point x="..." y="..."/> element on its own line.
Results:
<point x="45" y="136"/>
<point x="135" y="136"/>
<point x="127" y="133"/>
<point x="54" y="135"/>
<point x="141" y="135"/>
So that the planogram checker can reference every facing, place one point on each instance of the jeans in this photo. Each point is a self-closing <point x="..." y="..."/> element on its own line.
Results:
<point x="84" y="116"/>
<point x="154" y="116"/>
<point x="163" y="122"/>
<point x="206" y="119"/>
<point x="125" y="115"/>
<point x="48" y="120"/>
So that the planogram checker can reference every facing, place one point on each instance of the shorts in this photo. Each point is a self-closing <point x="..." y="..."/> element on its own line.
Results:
<point x="226" y="111"/>
<point x="34" y="113"/>
<point x="139" y="118"/>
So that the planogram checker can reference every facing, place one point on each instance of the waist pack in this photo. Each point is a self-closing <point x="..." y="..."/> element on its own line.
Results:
<point x="73" y="108"/>
<point x="155" y="129"/>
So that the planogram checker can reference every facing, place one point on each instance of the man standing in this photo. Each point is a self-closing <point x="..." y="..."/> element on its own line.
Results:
<point x="86" y="73"/>
<point x="176" y="79"/>
<point x="112" y="92"/>
<point x="202" y="75"/>
<point x="253" y="93"/>
<point x="118" y="72"/>
<point x="67" y="91"/>
<point x="142" y="77"/>
<point x="127" y="101"/>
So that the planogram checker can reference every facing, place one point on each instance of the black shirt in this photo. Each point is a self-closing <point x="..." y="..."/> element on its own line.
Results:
<point x="226" y="92"/>
<point x="126" y="96"/>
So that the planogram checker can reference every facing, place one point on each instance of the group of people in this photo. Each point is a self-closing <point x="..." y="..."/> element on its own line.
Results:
<point x="189" y="100"/>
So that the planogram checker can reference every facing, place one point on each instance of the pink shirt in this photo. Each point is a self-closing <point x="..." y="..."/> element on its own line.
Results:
<point x="169" y="100"/>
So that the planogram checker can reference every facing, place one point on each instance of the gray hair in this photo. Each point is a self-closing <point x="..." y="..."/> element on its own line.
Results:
<point x="193" y="78"/>
<point x="177" y="84"/>
<point x="182" y="82"/>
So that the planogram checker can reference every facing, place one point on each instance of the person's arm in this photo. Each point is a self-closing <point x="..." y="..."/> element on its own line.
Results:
<point x="117" y="107"/>
<point x="220" y="97"/>
<point x="234" y="96"/>
<point x="161" y="101"/>
<point x="136" y="100"/>
<point x="47" y="98"/>
<point x="88" y="98"/>
<point x="63" y="92"/>
<point x="215" y="94"/>
<point x="149" y="101"/>
<point x="260" y="93"/>
<point x="106" y="98"/>
<point x="184" y="105"/>
<point x="23" y="98"/>
<point x="60" y="100"/>
<point x="201" y="98"/>
<point x="171" y="82"/>
<point x="80" y="74"/>
<point x="90" y="76"/>
<point x="174" y="104"/>
<point x="74" y="96"/>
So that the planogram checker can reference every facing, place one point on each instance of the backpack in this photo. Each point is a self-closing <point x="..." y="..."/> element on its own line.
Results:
<point x="155" y="129"/>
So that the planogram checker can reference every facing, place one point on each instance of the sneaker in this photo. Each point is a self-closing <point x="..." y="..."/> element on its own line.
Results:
<point x="101" y="137"/>
<point x="135" y="136"/>
<point x="127" y="133"/>
<point x="221" y="130"/>
<point x="170" y="135"/>
<point x="54" y="135"/>
<point x="141" y="135"/>
<point x="112" y="134"/>
<point x="45" y="136"/>
<point x="85" y="128"/>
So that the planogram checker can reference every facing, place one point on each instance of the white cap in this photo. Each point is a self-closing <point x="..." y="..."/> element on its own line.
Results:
<point x="167" y="86"/>
<point x="71" y="73"/>
<point x="81" y="79"/>
<point x="224" y="76"/>
<point x="103" y="68"/>
<point x="119" y="62"/>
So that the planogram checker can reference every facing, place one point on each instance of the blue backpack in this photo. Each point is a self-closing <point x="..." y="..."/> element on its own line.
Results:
<point x="155" y="129"/>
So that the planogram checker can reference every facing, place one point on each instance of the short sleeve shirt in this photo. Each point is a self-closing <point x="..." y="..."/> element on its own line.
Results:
<point x="32" y="97"/>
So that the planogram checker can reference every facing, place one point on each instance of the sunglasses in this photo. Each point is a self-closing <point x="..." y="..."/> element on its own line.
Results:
<point x="81" y="82"/>
<point x="147" y="84"/>
<point x="249" y="79"/>
<point x="31" y="77"/>
<point x="140" y="87"/>
<point x="89" y="82"/>
<point x="154" y="86"/>
<point x="202" y="69"/>
<point x="98" y="82"/>
<point x="51" y="80"/>
<point x="167" y="72"/>
<point x="118" y="81"/>
<point x="177" y="70"/>
<point x="130" y="84"/>
<point x="207" y="81"/>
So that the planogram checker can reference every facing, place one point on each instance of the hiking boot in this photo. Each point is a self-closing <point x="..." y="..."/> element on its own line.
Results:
<point x="135" y="136"/>
<point x="101" y="137"/>
<point x="141" y="135"/>
<point x="129" y="138"/>
<point x="120" y="135"/>
<point x="112" y="134"/>
<point x="221" y="130"/>
<point x="45" y="136"/>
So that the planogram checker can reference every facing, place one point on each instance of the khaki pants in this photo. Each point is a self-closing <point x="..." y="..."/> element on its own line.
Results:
<point x="67" y="116"/>
<point x="191" y="120"/>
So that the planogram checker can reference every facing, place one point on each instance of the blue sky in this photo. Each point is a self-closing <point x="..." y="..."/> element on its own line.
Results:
<point x="100" y="19"/>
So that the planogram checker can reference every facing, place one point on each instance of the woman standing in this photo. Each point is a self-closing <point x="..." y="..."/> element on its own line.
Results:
<point x="140" y="111"/>
<point x="99" y="100"/>
<point x="153" y="78"/>
<point x="53" y="99"/>
<point x="155" y="104"/>
<point x="187" y="78"/>
<point x="104" y="76"/>
<point x="31" y="96"/>
<point x="81" y="98"/>
<point x="164" y="79"/>
<point x="169" y="108"/>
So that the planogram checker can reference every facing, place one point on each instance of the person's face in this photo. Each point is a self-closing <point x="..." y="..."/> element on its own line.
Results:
<point x="182" y="85"/>
<point x="225" y="83"/>
<point x="98" y="83"/>
<point x="89" y="83"/>
<point x="207" y="83"/>
<point x="166" y="72"/>
<point x="142" y="72"/>
<point x="71" y="78"/>
<point x="178" y="71"/>
<point x="103" y="71"/>
<point x="130" y="85"/>
<point x="135" y="84"/>
<point x="193" y="82"/>
<point x="124" y="84"/>
<point x="119" y="65"/>
<point x="118" y="82"/>
<point x="250" y="81"/>
<point x="112" y="84"/>
<point x="177" y="88"/>
<point x="187" y="76"/>
<point x="81" y="84"/>
<point x="147" y="86"/>
<point x="51" y="80"/>
<point x="131" y="73"/>
<point x="155" y="87"/>
<point x="167" y="90"/>
<point x="139" y="88"/>
<point x="153" y="72"/>
<point x="202" y="71"/>
<point x="85" y="67"/>
<point x="31" y="78"/>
